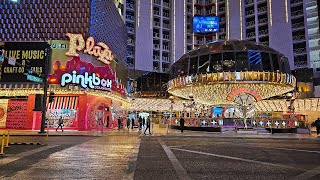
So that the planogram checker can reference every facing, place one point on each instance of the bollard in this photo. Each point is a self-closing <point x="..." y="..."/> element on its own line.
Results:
<point x="2" y="144"/>
<point x="8" y="138"/>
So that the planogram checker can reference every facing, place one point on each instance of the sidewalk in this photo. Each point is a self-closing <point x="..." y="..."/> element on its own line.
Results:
<point x="164" y="132"/>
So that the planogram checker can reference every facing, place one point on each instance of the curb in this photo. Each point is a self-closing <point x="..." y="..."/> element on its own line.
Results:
<point x="24" y="143"/>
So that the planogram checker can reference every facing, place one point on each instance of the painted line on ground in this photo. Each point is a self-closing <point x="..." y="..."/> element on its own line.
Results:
<point x="16" y="157"/>
<point x="236" y="158"/>
<point x="181" y="172"/>
<point x="309" y="174"/>
<point x="132" y="162"/>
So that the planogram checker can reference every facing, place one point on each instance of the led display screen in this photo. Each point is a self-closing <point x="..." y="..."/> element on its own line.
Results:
<point x="205" y="24"/>
<point x="217" y="111"/>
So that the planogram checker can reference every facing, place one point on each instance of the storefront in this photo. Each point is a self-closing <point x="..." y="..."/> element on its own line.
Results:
<point x="86" y="81"/>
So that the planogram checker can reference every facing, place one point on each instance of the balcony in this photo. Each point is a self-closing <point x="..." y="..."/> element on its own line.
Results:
<point x="156" y="46"/>
<point x="156" y="58"/>
<point x="298" y="25"/>
<point x="249" y="2"/>
<point x="157" y="13"/>
<point x="250" y="24"/>
<point x="295" y="2"/>
<point x="165" y="48"/>
<point x="263" y="21"/>
<point x="130" y="6"/>
<point x="157" y="2"/>
<point x="263" y="32"/>
<point x="128" y="17"/>
<point x="130" y="42"/>
<point x="299" y="51"/>
<point x="297" y="13"/>
<point x="156" y="24"/>
<point x="166" y="15"/>
<point x="165" y="59"/>
<point x="166" y="37"/>
<point x="299" y="38"/>
<point x="167" y="26"/>
<point x="262" y="9"/>
<point x="165" y="4"/>
<point x="130" y="29"/>
<point x="250" y="12"/>
<point x="251" y="35"/>
<point x="130" y="54"/>
<point x="156" y="35"/>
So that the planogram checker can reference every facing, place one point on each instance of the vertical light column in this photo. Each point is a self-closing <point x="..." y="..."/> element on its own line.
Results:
<point x="174" y="31"/>
<point x="184" y="27"/>
<point x="151" y="14"/>
<point x="228" y="20"/>
<point x="192" y="24"/>
<point x="138" y="19"/>
<point x="286" y="6"/>
<point x="241" y="27"/>
<point x="270" y="12"/>
<point x="217" y="36"/>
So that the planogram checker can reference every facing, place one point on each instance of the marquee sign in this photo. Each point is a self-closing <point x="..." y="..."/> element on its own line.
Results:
<point x="77" y="43"/>
<point x="86" y="75"/>
<point x="86" y="81"/>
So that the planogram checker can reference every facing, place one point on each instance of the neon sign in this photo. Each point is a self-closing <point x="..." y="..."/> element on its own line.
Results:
<point x="77" y="43"/>
<point x="86" y="81"/>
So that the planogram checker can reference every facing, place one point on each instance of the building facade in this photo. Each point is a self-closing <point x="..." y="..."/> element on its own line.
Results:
<point x="87" y="69"/>
<point x="161" y="32"/>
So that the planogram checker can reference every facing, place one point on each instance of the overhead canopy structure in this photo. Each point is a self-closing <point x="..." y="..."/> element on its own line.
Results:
<point x="220" y="72"/>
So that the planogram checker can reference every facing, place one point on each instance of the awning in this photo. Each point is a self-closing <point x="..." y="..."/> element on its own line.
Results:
<point x="63" y="102"/>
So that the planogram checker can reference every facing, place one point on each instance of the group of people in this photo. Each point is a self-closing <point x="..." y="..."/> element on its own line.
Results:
<point x="142" y="122"/>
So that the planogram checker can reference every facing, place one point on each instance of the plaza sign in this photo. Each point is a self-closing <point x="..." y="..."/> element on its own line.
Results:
<point x="86" y="81"/>
<point x="77" y="43"/>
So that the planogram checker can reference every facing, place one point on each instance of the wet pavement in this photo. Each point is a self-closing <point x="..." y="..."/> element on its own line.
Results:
<point x="130" y="155"/>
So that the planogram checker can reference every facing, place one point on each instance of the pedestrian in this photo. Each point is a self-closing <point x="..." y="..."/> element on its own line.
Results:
<point x="128" y="123"/>
<point x="119" y="123"/>
<point x="108" y="119"/>
<point x="132" y="123"/>
<point x="143" y="122"/>
<point x="140" y="122"/>
<point x="147" y="126"/>
<point x="181" y="124"/>
<point x="60" y="124"/>
<point x="317" y="124"/>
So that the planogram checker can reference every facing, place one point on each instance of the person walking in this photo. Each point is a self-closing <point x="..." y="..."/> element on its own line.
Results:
<point x="132" y="123"/>
<point x="317" y="124"/>
<point x="128" y="123"/>
<point x="140" y="123"/>
<point x="147" y="126"/>
<point x="60" y="124"/>
<point x="181" y="124"/>
<point x="119" y="123"/>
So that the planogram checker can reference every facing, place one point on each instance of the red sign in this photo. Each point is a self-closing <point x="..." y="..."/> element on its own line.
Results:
<point x="82" y="68"/>
<point x="17" y="114"/>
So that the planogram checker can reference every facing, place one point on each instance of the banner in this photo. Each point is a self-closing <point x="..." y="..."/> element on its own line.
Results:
<point x="17" y="114"/>
<point x="3" y="112"/>
<point x="22" y="59"/>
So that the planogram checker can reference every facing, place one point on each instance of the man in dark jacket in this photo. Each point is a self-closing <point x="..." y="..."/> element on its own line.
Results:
<point x="147" y="126"/>
<point x="119" y="123"/>
<point x="317" y="124"/>
<point x="132" y="123"/>
<point x="181" y="124"/>
<point x="60" y="124"/>
<point x="140" y="123"/>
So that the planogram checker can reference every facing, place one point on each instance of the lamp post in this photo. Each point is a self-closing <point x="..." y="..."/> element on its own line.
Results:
<point x="291" y="108"/>
<point x="171" y="98"/>
<point x="45" y="69"/>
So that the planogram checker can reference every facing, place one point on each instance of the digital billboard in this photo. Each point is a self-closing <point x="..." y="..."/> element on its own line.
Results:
<point x="205" y="24"/>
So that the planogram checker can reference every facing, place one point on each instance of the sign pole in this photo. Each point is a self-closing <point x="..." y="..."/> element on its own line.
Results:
<point x="45" y="90"/>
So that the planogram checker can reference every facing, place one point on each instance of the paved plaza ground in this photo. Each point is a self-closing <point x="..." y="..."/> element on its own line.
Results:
<point x="128" y="154"/>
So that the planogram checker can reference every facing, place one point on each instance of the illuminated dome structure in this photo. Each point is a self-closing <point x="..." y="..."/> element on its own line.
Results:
<point x="231" y="72"/>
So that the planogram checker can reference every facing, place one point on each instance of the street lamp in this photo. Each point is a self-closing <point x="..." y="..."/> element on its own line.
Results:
<point x="45" y="70"/>
<point x="291" y="108"/>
